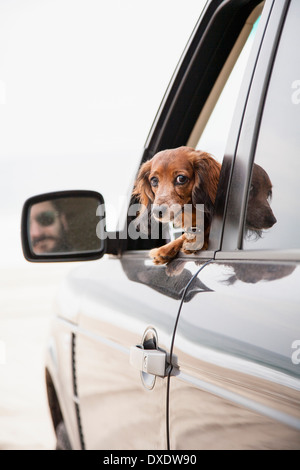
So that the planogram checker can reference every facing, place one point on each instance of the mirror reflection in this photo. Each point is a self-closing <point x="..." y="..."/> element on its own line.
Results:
<point x="64" y="225"/>
<point x="260" y="216"/>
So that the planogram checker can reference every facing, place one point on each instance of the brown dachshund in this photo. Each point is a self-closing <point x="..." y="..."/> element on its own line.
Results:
<point x="169" y="181"/>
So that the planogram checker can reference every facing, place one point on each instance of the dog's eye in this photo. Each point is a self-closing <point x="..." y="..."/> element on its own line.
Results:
<point x="181" y="179"/>
<point x="154" y="181"/>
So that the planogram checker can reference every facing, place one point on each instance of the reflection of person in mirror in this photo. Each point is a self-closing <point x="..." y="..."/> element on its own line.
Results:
<point x="48" y="228"/>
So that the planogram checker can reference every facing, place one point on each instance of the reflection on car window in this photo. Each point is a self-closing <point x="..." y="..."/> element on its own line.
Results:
<point x="272" y="219"/>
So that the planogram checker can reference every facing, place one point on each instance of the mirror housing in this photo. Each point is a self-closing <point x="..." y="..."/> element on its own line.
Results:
<point x="64" y="226"/>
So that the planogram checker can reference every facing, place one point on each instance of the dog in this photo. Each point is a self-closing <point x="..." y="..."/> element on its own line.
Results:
<point x="259" y="213"/>
<point x="171" y="180"/>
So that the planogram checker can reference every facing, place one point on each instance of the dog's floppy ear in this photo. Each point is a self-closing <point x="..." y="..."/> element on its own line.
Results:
<point x="143" y="192"/>
<point x="142" y="188"/>
<point x="207" y="173"/>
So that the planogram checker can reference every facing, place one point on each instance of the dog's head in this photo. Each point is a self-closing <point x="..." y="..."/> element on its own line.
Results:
<point x="173" y="178"/>
<point x="259" y="213"/>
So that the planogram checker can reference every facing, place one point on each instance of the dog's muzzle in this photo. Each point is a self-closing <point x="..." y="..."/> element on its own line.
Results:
<point x="160" y="212"/>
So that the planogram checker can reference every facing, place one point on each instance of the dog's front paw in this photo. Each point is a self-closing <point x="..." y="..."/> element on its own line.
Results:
<point x="166" y="253"/>
<point x="192" y="245"/>
<point x="187" y="246"/>
<point x="162" y="255"/>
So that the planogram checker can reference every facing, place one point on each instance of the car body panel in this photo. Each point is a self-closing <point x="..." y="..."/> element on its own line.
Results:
<point x="60" y="378"/>
<point x="235" y="342"/>
<point x="115" y="311"/>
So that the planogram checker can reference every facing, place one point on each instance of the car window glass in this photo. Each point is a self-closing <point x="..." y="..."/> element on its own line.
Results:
<point x="212" y="127"/>
<point x="272" y="218"/>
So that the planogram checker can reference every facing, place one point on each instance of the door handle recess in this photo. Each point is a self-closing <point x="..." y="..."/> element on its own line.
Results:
<point x="150" y="361"/>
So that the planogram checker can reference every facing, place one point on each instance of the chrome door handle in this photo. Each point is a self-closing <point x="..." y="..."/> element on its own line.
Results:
<point x="150" y="361"/>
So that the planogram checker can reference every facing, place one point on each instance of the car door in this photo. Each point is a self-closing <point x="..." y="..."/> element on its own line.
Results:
<point x="127" y="300"/>
<point x="126" y="303"/>
<point x="237" y="380"/>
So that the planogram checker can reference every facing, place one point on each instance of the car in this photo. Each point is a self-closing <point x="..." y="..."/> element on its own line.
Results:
<point x="203" y="352"/>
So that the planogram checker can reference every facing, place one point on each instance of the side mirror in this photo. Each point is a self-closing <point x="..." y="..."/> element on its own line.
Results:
<point x="64" y="226"/>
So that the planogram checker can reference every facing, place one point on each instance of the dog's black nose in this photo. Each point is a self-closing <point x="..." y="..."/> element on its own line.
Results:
<point x="159" y="211"/>
<point x="271" y="220"/>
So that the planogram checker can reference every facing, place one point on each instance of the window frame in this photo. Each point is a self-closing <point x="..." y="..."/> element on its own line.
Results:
<point x="236" y="210"/>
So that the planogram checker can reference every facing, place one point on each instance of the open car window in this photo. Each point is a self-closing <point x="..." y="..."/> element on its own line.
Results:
<point x="212" y="127"/>
<point x="208" y="123"/>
